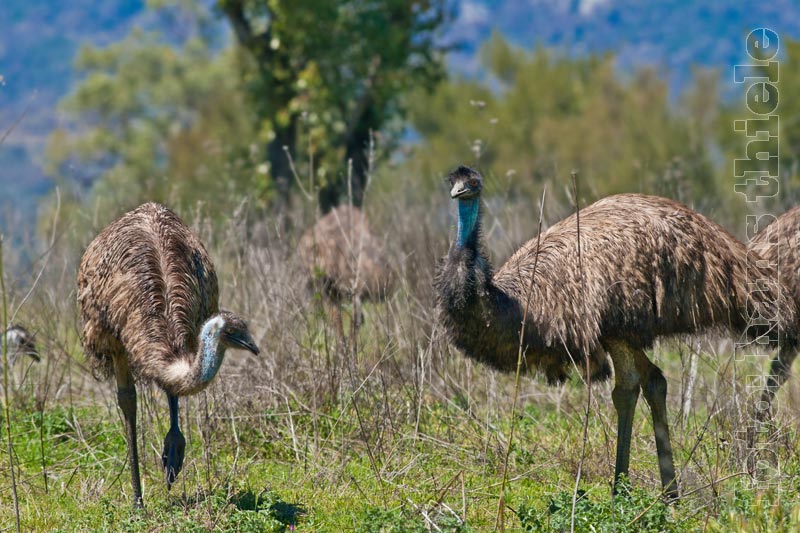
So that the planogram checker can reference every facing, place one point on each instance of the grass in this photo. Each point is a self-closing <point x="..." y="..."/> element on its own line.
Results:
<point x="272" y="470"/>
<point x="394" y="433"/>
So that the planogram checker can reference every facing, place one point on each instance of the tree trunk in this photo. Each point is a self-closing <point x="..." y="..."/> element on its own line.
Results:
<point x="356" y="154"/>
<point x="280" y="168"/>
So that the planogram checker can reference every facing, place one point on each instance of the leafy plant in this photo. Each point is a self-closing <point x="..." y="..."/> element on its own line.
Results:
<point x="631" y="510"/>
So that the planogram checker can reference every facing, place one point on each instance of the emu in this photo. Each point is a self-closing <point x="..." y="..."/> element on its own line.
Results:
<point x="148" y="299"/>
<point x="19" y="342"/>
<point x="776" y="243"/>
<point x="342" y="257"/>
<point x="650" y="267"/>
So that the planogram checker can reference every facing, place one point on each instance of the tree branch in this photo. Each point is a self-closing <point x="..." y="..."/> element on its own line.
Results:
<point x="234" y="10"/>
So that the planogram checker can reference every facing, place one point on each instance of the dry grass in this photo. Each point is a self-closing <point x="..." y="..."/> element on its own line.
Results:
<point x="339" y="433"/>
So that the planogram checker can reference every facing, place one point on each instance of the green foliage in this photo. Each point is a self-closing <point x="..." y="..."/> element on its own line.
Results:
<point x="256" y="482"/>
<point x="787" y="144"/>
<point x="153" y="120"/>
<point x="750" y="510"/>
<point x="243" y="512"/>
<point x="631" y="510"/>
<point x="537" y="115"/>
<point x="400" y="520"/>
<point x="181" y="122"/>
<point x="324" y="76"/>
<point x="638" y="510"/>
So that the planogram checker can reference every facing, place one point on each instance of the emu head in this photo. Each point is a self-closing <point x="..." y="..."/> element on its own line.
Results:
<point x="465" y="183"/>
<point x="20" y="342"/>
<point x="236" y="334"/>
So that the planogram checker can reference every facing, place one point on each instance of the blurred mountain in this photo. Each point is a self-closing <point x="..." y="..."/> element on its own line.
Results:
<point x="37" y="46"/>
<point x="671" y="35"/>
<point x="40" y="38"/>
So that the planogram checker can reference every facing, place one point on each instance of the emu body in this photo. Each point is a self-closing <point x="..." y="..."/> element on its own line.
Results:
<point x="776" y="244"/>
<point x="651" y="267"/>
<point x="343" y="259"/>
<point x="148" y="297"/>
<point x="341" y="252"/>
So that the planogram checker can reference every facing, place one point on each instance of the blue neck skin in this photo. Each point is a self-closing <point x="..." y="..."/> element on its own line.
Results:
<point x="212" y="351"/>
<point x="467" y="220"/>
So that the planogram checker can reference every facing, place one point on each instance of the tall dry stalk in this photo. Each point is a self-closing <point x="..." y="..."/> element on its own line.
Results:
<point x="501" y="502"/>
<point x="586" y="358"/>
<point x="6" y="407"/>
<point x="688" y="390"/>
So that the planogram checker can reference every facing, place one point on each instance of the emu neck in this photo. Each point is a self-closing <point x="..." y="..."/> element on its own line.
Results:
<point x="191" y="373"/>
<point x="212" y="352"/>
<point x="468" y="219"/>
<point x="466" y="272"/>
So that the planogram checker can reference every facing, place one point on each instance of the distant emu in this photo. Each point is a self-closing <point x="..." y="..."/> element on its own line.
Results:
<point x="651" y="267"/>
<point x="344" y="259"/>
<point x="777" y="244"/>
<point x="19" y="342"/>
<point x="148" y="296"/>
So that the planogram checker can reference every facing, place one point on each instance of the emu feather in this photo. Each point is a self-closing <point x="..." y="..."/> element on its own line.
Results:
<point x="146" y="291"/>
<point x="775" y="246"/>
<point x="651" y="267"/>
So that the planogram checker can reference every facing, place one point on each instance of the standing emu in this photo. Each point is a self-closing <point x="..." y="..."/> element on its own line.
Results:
<point x="777" y="245"/>
<point x="148" y="296"/>
<point x="650" y="266"/>
<point x="342" y="257"/>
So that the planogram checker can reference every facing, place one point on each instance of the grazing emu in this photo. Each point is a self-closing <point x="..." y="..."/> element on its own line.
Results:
<point x="20" y="342"/>
<point x="650" y="266"/>
<point x="777" y="244"/>
<point x="343" y="258"/>
<point x="148" y="297"/>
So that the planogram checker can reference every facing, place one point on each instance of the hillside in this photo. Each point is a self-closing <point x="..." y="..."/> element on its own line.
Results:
<point x="37" y="46"/>
<point x="40" y="40"/>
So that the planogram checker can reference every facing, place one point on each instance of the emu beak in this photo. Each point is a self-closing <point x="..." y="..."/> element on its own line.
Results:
<point x="458" y="190"/>
<point x="247" y="344"/>
<point x="35" y="356"/>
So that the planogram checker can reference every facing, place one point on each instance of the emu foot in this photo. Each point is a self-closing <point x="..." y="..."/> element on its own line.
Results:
<point x="172" y="456"/>
<point x="138" y="504"/>
<point x="671" y="495"/>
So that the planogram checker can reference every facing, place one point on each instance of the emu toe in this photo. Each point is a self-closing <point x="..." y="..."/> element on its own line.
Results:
<point x="172" y="456"/>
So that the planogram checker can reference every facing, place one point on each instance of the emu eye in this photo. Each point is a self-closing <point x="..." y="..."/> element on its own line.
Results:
<point x="229" y="331"/>
<point x="473" y="182"/>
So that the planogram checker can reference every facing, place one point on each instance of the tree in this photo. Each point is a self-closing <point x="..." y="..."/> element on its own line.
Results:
<point x="535" y="116"/>
<point x="331" y="74"/>
<point x="755" y="101"/>
<point x="156" y="120"/>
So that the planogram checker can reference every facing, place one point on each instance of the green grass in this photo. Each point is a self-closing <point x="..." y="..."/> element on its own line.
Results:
<point x="387" y="473"/>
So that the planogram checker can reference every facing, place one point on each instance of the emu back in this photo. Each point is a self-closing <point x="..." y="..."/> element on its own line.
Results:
<point x="145" y="284"/>
<point x="651" y="267"/>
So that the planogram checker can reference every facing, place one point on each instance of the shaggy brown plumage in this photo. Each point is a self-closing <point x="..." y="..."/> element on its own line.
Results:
<point x="146" y="285"/>
<point x="148" y="297"/>
<point x="651" y="267"/>
<point x="776" y="246"/>
<point x="341" y="254"/>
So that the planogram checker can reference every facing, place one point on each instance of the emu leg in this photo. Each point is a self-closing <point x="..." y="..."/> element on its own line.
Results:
<point x="358" y="313"/>
<point x="778" y="373"/>
<point x="654" y="390"/>
<point x="625" y="395"/>
<point x="174" y="444"/>
<point x="338" y="319"/>
<point x="126" y="397"/>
